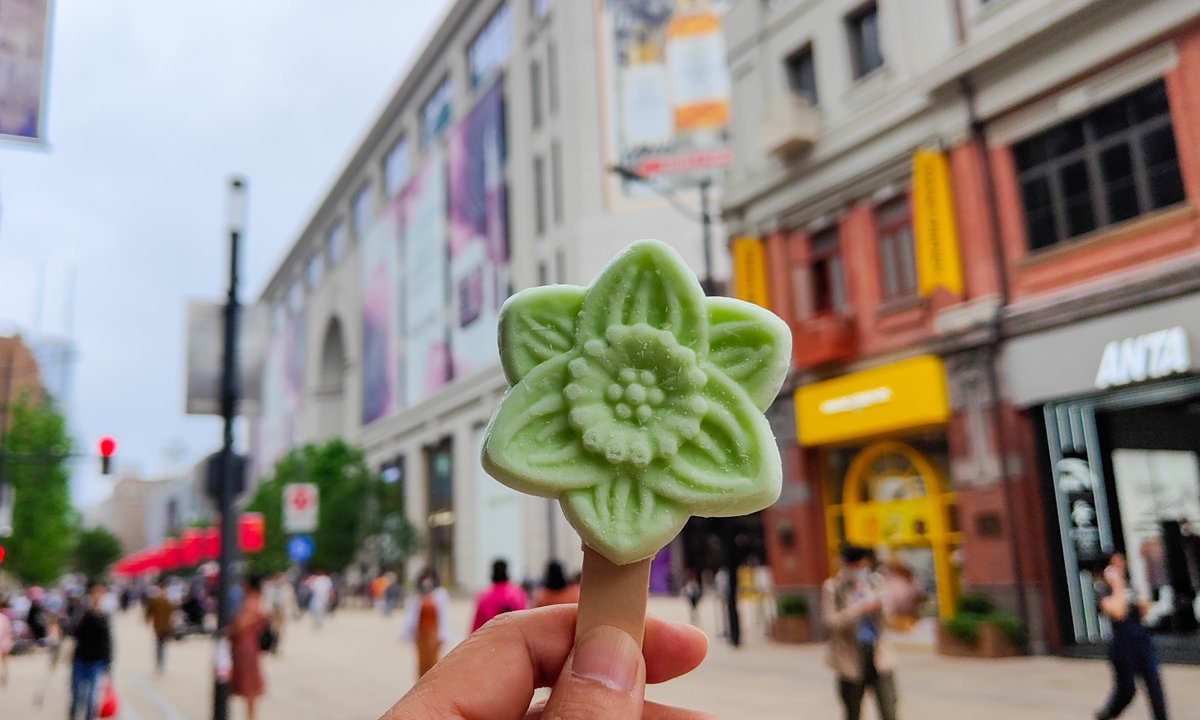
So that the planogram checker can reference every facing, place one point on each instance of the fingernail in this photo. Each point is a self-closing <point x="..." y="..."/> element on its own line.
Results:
<point x="608" y="656"/>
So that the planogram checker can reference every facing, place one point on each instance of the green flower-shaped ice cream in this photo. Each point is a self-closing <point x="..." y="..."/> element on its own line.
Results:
<point x="638" y="402"/>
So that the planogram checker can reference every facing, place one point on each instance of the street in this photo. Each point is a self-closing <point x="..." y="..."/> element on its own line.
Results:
<point x="355" y="668"/>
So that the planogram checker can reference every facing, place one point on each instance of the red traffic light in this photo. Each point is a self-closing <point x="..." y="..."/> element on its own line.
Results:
<point x="107" y="446"/>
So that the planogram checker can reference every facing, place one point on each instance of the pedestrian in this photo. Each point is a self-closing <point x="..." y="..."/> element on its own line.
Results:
<point x="279" y="599"/>
<point x="426" y="623"/>
<point x="393" y="594"/>
<point x="6" y="640"/>
<point x="555" y="589"/>
<point x="92" y="659"/>
<point x="904" y="597"/>
<point x="692" y="592"/>
<point x="501" y="597"/>
<point x="721" y="590"/>
<point x="246" y="679"/>
<point x="1130" y="650"/>
<point x="159" y="610"/>
<point x="854" y="608"/>
<point x="320" y="588"/>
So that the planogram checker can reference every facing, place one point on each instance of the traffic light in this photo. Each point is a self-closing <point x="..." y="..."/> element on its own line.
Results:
<point x="106" y="446"/>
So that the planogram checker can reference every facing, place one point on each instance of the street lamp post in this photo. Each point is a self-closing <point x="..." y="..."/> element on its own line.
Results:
<point x="724" y="526"/>
<point x="229" y="397"/>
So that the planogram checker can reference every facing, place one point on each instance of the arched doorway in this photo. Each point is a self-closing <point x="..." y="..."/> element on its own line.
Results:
<point x="895" y="499"/>
<point x="331" y="390"/>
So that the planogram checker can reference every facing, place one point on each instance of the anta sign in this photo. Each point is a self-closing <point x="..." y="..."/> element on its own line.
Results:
<point x="1145" y="357"/>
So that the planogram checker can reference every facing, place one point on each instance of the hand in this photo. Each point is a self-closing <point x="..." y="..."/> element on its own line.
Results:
<point x="493" y="673"/>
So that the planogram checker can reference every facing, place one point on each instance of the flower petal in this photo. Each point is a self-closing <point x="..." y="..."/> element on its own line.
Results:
<point x="751" y="345"/>
<point x="731" y="466"/>
<point x="535" y="325"/>
<point x="531" y="446"/>
<point x="623" y="520"/>
<point x="646" y="282"/>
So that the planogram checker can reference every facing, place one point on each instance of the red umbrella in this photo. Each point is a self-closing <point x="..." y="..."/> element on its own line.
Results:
<point x="169" y="554"/>
<point x="212" y="543"/>
<point x="251" y="532"/>
<point x="191" y="547"/>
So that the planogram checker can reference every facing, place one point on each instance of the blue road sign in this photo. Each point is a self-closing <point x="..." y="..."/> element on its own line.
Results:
<point x="300" y="548"/>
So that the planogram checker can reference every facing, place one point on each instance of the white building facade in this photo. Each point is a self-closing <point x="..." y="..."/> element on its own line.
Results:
<point x="488" y="171"/>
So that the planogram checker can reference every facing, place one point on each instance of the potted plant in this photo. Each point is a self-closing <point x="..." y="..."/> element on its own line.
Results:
<point x="791" y="624"/>
<point x="978" y="629"/>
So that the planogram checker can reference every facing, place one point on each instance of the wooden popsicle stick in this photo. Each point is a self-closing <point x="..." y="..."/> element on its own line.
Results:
<point x="611" y="594"/>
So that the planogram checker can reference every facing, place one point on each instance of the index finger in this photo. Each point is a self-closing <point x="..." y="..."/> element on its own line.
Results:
<point x="493" y="673"/>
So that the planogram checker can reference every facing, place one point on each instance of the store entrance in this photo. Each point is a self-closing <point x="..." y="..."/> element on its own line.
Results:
<point x="1154" y="463"/>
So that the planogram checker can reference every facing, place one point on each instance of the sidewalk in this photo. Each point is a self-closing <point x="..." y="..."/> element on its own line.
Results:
<point x="355" y="669"/>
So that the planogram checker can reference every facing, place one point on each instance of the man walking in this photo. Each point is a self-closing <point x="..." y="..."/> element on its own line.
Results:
<point x="854" y="607"/>
<point x="1131" y="651"/>
<point x="159" y="609"/>
<point x="93" y="654"/>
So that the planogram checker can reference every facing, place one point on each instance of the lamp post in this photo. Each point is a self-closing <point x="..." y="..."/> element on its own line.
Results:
<point x="724" y="527"/>
<point x="229" y="397"/>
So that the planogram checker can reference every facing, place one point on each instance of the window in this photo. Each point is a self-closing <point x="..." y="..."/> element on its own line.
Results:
<point x="335" y="244"/>
<point x="295" y="297"/>
<point x="363" y="209"/>
<point x="862" y="27"/>
<point x="312" y="271"/>
<point x="1113" y="164"/>
<point x="435" y="116"/>
<point x="539" y="194"/>
<point x="897" y="263"/>
<point x="543" y="274"/>
<point x="560" y="266"/>
<point x="535" y="92"/>
<point x="556" y="180"/>
<point x="539" y="8"/>
<point x="552" y="76"/>
<point x="395" y="167"/>
<point x="491" y="46"/>
<point x="801" y="74"/>
<point x="825" y="265"/>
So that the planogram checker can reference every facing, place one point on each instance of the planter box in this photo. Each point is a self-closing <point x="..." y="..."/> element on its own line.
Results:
<point x="992" y="644"/>
<point x="791" y="630"/>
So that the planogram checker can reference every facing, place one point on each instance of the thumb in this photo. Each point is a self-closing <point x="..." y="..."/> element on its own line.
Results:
<point x="605" y="677"/>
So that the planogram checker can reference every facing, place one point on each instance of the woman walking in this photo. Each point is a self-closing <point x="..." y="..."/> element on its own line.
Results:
<point x="244" y="633"/>
<point x="555" y="589"/>
<point x="1131" y="651"/>
<point x="427" y="624"/>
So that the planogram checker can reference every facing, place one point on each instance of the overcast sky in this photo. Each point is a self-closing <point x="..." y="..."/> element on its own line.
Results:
<point x="152" y="105"/>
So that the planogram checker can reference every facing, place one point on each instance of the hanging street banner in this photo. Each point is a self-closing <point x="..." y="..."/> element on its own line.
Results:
<point x="749" y="271"/>
<point x="935" y="234"/>
<point x="300" y="504"/>
<point x="24" y="41"/>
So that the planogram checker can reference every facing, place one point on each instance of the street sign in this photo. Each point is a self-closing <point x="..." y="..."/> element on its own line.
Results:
<point x="300" y="501"/>
<point x="299" y="548"/>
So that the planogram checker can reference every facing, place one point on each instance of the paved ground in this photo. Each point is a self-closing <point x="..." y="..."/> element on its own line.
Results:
<point x="355" y="669"/>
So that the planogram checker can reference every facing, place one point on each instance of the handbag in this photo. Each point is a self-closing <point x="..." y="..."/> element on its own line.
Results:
<point x="267" y="638"/>
<point x="109" y="704"/>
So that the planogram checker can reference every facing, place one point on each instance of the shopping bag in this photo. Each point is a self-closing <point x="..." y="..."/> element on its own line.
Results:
<point x="108" y="705"/>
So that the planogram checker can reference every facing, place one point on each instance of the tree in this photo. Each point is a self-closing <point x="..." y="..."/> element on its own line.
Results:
<point x="95" y="552"/>
<point x="353" y="506"/>
<point x="35" y="450"/>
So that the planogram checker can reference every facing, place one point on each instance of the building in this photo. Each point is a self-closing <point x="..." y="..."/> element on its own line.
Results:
<point x="20" y="375"/>
<point x="142" y="512"/>
<point x="489" y="170"/>
<point x="980" y="219"/>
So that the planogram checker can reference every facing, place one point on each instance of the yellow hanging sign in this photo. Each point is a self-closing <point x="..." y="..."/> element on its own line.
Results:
<point x="749" y="271"/>
<point x="935" y="234"/>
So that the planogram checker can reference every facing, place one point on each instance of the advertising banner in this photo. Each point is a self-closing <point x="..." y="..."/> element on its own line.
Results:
<point x="666" y="85"/>
<point x="293" y="385"/>
<point x="935" y="234"/>
<point x="423" y="208"/>
<point x="749" y="271"/>
<point x="478" y="233"/>
<point x="379" y="253"/>
<point x="24" y="34"/>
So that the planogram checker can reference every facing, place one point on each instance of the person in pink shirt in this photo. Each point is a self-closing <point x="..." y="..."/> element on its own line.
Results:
<point x="501" y="597"/>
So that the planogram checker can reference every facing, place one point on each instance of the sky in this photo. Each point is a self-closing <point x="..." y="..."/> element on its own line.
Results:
<point x="151" y="106"/>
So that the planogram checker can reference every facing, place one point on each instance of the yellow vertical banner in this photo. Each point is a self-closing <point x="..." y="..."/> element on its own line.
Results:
<point x="935" y="234"/>
<point x="749" y="271"/>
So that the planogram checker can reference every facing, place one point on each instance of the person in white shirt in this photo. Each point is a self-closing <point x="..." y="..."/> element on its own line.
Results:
<point x="321" y="587"/>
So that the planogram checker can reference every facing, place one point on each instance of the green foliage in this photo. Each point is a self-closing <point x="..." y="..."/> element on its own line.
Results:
<point x="36" y="447"/>
<point x="975" y="610"/>
<point x="354" y="504"/>
<point x="791" y="606"/>
<point x="95" y="552"/>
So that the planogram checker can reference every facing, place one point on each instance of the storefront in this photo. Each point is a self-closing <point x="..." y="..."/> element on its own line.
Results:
<point x="881" y="438"/>
<point x="1116" y="404"/>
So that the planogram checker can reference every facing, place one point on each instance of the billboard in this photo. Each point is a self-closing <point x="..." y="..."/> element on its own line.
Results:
<point x="205" y="355"/>
<point x="380" y="260"/>
<point x="24" y="40"/>
<point x="478" y="233"/>
<point x="423" y="210"/>
<point x="666" y="86"/>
